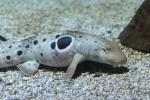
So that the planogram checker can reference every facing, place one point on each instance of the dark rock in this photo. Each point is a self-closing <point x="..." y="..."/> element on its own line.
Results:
<point x="137" y="34"/>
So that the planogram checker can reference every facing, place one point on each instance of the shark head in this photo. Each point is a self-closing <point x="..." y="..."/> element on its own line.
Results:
<point x="109" y="52"/>
<point x="102" y="50"/>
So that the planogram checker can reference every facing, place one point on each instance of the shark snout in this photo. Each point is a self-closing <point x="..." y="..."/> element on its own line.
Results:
<point x="121" y="59"/>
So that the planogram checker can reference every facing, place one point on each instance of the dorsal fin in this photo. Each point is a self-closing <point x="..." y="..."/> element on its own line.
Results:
<point x="2" y="38"/>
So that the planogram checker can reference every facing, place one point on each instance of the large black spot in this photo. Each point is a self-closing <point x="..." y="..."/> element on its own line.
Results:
<point x="53" y="44"/>
<point x="64" y="42"/>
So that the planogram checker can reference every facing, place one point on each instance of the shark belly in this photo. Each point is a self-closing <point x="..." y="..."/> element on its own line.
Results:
<point x="57" y="60"/>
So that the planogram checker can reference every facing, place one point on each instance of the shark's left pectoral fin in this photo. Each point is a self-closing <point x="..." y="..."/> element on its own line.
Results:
<point x="29" y="68"/>
<point x="72" y="67"/>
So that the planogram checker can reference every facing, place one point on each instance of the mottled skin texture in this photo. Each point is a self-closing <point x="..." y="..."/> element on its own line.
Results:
<point x="67" y="48"/>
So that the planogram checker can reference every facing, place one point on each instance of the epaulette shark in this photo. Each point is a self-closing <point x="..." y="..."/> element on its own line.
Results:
<point x="59" y="49"/>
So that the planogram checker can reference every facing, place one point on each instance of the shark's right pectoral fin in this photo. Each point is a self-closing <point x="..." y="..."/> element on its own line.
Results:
<point x="29" y="68"/>
<point x="72" y="67"/>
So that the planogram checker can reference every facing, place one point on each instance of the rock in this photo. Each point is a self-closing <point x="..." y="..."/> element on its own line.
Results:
<point x="137" y="34"/>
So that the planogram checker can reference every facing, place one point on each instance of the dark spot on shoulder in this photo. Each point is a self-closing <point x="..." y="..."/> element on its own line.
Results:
<point x="41" y="54"/>
<point x="64" y="42"/>
<point x="44" y="39"/>
<point x="57" y="36"/>
<point x="8" y="57"/>
<point x="27" y="46"/>
<point x="19" y="53"/>
<point x="19" y="45"/>
<point x="53" y="44"/>
<point x="35" y="42"/>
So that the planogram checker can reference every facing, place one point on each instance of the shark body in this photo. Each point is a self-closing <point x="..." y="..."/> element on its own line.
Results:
<point x="58" y="49"/>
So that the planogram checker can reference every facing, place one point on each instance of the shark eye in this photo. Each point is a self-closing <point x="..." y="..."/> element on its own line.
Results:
<point x="106" y="50"/>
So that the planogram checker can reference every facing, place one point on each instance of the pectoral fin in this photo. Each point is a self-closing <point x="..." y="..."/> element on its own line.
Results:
<point x="29" y="68"/>
<point x="72" y="67"/>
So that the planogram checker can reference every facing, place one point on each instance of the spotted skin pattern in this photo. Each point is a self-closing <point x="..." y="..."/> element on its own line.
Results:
<point x="58" y="49"/>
